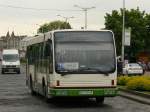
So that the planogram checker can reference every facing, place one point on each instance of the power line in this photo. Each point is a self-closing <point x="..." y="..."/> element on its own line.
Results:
<point x="36" y="9"/>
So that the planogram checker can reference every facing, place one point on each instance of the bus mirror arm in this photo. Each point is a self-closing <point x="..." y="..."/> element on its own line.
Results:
<point x="63" y="74"/>
<point x="106" y="74"/>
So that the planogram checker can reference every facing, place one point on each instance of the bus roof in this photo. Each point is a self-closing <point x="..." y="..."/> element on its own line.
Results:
<point x="64" y="30"/>
<point x="41" y="38"/>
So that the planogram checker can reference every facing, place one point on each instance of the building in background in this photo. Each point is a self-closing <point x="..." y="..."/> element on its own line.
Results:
<point x="11" y="41"/>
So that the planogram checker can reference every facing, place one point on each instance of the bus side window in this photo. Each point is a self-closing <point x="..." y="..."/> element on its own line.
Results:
<point x="48" y="54"/>
<point x="33" y="53"/>
<point x="29" y="55"/>
<point x="36" y="53"/>
<point x="40" y="67"/>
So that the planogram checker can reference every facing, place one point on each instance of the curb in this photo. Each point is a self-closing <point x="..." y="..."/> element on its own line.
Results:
<point x="135" y="96"/>
<point x="136" y="93"/>
<point x="134" y="99"/>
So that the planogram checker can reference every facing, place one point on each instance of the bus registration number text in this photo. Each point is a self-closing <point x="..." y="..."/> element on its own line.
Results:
<point x="86" y="92"/>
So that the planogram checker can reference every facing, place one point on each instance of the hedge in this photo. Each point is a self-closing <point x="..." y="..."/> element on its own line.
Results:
<point x="139" y="83"/>
<point x="122" y="80"/>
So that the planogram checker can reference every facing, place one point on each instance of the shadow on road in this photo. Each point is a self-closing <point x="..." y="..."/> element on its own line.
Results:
<point x="73" y="103"/>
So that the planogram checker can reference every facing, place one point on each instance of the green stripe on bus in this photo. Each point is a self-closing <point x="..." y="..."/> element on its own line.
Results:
<point x="84" y="92"/>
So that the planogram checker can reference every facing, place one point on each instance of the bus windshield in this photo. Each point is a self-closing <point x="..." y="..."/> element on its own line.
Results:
<point x="84" y="52"/>
<point x="10" y="57"/>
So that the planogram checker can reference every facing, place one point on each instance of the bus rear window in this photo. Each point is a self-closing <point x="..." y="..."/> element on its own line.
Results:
<point x="84" y="52"/>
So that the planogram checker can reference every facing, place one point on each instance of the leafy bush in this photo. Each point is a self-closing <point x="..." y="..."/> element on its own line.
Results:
<point x="139" y="83"/>
<point x="122" y="80"/>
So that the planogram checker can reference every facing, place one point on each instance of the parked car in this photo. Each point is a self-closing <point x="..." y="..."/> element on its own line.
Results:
<point x="133" y="68"/>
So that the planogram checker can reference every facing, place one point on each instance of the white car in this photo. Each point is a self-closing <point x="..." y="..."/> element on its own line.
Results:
<point x="133" y="68"/>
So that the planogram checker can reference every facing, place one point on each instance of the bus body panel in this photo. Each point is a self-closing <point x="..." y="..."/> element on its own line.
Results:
<point x="85" y="80"/>
<point x="90" y="85"/>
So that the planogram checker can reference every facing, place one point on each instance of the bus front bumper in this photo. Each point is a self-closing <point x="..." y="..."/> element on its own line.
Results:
<point x="108" y="92"/>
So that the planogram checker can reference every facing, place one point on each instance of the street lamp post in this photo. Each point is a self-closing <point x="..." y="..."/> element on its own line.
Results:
<point x="85" y="9"/>
<point x="123" y="31"/>
<point x="66" y="18"/>
<point x="85" y="18"/>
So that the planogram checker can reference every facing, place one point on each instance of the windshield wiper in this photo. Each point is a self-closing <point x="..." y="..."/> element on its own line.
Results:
<point x="84" y="70"/>
<point x="95" y="70"/>
<point x="65" y="72"/>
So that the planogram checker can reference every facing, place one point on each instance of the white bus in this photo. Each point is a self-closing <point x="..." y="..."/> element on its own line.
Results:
<point x="73" y="63"/>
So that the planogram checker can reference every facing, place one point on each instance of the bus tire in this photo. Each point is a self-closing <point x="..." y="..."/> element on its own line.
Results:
<point x="31" y="87"/>
<point x="99" y="100"/>
<point x="45" y="92"/>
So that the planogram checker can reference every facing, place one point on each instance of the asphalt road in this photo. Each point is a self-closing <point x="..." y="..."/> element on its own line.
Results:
<point x="15" y="97"/>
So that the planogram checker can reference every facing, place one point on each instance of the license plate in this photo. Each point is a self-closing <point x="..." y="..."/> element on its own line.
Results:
<point x="86" y="92"/>
<point x="11" y="70"/>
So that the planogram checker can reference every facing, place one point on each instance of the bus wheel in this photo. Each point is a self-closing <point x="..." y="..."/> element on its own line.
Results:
<point x="45" y="93"/>
<point x="99" y="100"/>
<point x="44" y="90"/>
<point x="31" y="87"/>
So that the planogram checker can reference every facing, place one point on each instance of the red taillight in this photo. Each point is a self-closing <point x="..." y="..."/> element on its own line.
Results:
<point x="57" y="83"/>
<point x="112" y="82"/>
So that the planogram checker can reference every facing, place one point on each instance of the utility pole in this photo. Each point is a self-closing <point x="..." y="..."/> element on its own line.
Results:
<point x="85" y="9"/>
<point x="65" y="17"/>
<point x="123" y="32"/>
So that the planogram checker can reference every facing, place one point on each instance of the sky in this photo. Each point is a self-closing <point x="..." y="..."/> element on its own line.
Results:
<point x="26" y="20"/>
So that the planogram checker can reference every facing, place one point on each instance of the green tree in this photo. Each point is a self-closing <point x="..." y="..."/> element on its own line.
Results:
<point x="147" y="40"/>
<point x="114" y="23"/>
<point x="54" y="26"/>
<point x="136" y="20"/>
